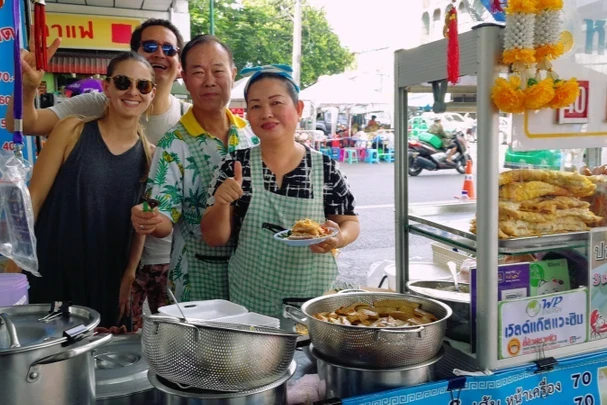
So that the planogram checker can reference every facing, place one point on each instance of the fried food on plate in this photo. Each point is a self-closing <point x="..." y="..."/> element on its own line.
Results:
<point x="307" y="229"/>
<point x="530" y="190"/>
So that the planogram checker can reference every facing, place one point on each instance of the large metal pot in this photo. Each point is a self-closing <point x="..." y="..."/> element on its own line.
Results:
<point x="275" y="393"/>
<point x="47" y="359"/>
<point x="458" y="326"/>
<point x="368" y="347"/>
<point x="121" y="374"/>
<point x="344" y="382"/>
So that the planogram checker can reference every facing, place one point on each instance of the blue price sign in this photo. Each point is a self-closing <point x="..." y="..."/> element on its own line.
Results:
<point x="7" y="74"/>
<point x="578" y="381"/>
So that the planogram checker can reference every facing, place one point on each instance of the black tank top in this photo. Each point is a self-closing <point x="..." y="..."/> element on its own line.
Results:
<point x="84" y="228"/>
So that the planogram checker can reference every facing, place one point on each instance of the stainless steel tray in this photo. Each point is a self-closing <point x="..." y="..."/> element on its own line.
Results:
<point x="450" y="223"/>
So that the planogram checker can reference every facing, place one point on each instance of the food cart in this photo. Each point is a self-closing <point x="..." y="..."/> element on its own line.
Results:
<point x="571" y="372"/>
<point x="465" y="373"/>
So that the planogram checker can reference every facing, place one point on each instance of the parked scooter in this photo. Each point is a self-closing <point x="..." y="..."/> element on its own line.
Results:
<point x="423" y="155"/>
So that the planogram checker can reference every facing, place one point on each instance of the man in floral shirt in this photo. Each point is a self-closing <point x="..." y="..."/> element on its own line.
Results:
<point x="183" y="166"/>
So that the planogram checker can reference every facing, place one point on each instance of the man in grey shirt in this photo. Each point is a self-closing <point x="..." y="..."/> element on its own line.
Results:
<point x="160" y="42"/>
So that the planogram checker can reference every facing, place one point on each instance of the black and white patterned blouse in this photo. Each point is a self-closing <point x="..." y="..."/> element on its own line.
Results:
<point x="338" y="198"/>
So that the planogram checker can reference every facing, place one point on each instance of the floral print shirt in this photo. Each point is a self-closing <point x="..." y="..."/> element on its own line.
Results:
<point x="180" y="185"/>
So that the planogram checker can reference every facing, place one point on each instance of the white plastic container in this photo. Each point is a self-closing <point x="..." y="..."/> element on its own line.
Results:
<point x="204" y="310"/>
<point x="251" y="318"/>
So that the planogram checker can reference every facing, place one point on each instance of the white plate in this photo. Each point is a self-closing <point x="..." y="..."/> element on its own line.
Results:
<point x="282" y="237"/>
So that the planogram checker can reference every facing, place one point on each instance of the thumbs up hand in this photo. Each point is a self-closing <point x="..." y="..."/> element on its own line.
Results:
<point x="231" y="189"/>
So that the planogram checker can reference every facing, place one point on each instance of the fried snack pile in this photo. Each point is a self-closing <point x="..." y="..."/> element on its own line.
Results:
<point x="598" y="201"/>
<point x="307" y="229"/>
<point x="543" y="202"/>
<point x="382" y="314"/>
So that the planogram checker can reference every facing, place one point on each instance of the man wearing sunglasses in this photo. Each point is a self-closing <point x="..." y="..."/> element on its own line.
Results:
<point x="160" y="42"/>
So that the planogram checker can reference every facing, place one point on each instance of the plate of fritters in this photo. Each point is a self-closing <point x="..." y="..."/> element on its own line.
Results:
<point x="305" y="232"/>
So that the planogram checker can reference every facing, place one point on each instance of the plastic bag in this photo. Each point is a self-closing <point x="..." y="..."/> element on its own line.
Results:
<point x="17" y="238"/>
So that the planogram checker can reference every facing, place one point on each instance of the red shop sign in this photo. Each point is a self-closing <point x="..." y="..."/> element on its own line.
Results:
<point x="577" y="113"/>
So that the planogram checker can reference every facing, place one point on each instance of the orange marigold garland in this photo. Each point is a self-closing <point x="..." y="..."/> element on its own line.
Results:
<point x="548" y="46"/>
<point x="508" y="95"/>
<point x="565" y="93"/>
<point x="533" y="35"/>
<point x="538" y="93"/>
<point x="519" y="52"/>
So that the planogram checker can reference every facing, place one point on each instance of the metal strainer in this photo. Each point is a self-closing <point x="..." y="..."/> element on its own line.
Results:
<point x="370" y="347"/>
<point x="216" y="356"/>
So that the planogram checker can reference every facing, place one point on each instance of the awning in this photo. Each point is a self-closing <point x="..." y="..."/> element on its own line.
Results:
<point x="81" y="62"/>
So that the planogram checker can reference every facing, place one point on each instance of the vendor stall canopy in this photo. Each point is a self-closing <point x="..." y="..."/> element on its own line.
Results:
<point x="147" y="5"/>
<point x="351" y="88"/>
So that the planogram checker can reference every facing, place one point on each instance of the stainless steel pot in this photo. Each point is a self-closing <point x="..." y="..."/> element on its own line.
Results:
<point x="370" y="347"/>
<point x="344" y="382"/>
<point x="458" y="325"/>
<point x="121" y="374"/>
<point x="275" y="393"/>
<point x="40" y="364"/>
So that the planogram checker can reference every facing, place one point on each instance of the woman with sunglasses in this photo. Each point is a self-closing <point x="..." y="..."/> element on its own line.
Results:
<point x="277" y="183"/>
<point x="88" y="176"/>
<point x="160" y="42"/>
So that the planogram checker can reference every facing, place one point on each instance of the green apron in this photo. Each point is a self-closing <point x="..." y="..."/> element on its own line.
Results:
<point x="263" y="270"/>
<point x="207" y="266"/>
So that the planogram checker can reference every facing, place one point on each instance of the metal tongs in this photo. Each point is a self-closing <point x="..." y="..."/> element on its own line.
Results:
<point x="64" y="309"/>
<point x="272" y="227"/>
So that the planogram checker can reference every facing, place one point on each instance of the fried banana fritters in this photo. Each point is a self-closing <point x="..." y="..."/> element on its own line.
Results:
<point x="530" y="190"/>
<point x="575" y="183"/>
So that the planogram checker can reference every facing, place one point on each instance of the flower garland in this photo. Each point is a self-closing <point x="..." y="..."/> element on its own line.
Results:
<point x="549" y="47"/>
<point x="519" y="52"/>
<point x="538" y="21"/>
<point x="547" y="34"/>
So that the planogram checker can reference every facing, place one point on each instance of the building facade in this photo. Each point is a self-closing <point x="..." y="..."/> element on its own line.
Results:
<point x="433" y="18"/>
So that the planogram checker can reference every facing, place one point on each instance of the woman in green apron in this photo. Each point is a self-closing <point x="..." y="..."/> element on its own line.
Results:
<point x="277" y="183"/>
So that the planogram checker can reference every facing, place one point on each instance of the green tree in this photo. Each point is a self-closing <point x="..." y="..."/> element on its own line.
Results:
<point x="261" y="32"/>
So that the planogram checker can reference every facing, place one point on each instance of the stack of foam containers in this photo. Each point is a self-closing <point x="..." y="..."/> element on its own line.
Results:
<point x="220" y="311"/>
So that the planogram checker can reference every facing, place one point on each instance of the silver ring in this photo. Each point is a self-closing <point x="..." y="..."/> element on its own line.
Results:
<point x="141" y="227"/>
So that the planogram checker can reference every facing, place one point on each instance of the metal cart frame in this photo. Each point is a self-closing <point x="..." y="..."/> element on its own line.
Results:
<point x="480" y="51"/>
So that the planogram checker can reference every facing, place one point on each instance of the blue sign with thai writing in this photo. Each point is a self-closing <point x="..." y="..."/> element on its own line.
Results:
<point x="7" y="75"/>
<point x="580" y="380"/>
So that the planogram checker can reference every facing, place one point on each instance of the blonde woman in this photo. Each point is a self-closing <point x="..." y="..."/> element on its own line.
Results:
<point x="88" y="176"/>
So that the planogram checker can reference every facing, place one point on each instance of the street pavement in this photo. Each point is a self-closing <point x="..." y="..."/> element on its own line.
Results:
<point x="373" y="186"/>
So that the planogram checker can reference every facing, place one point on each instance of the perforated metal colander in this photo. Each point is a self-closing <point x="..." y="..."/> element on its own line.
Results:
<point x="216" y="356"/>
<point x="370" y="347"/>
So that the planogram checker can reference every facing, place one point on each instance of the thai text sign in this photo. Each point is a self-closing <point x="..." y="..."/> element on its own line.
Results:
<point x="537" y="324"/>
<point x="90" y="31"/>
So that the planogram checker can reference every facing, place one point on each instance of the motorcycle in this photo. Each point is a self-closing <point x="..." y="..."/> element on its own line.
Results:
<point x="425" y="156"/>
